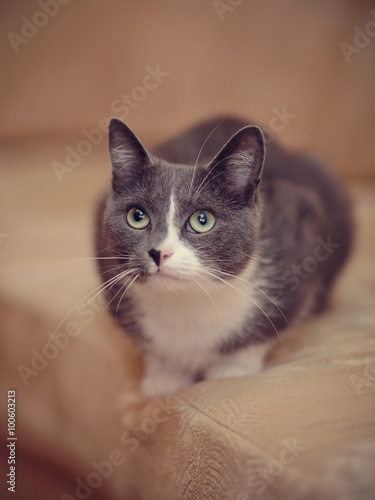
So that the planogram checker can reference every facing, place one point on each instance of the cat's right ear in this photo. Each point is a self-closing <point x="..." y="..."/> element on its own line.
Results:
<point x="238" y="166"/>
<point x="126" y="152"/>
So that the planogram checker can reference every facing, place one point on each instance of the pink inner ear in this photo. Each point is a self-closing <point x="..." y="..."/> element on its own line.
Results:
<point x="241" y="164"/>
<point x="123" y="156"/>
<point x="240" y="176"/>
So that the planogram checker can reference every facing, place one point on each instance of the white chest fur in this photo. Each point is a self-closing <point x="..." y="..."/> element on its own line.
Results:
<point x="184" y="312"/>
<point x="187" y="325"/>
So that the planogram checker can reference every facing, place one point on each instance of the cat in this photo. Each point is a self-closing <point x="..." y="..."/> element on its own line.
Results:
<point x="207" y="250"/>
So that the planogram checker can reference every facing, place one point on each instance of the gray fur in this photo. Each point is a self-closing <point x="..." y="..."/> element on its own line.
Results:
<point x="282" y="217"/>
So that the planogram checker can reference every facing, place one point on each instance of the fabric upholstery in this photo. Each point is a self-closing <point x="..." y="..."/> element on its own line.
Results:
<point x="304" y="428"/>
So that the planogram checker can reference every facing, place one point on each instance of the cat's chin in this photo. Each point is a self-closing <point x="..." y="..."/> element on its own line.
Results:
<point x="167" y="281"/>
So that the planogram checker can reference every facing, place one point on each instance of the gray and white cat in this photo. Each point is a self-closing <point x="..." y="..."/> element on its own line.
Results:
<point x="207" y="256"/>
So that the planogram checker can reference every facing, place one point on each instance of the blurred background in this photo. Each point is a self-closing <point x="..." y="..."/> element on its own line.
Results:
<point x="303" y="70"/>
<point x="65" y="70"/>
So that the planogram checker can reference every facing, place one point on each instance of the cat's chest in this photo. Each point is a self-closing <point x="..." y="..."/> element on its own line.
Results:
<point x="194" y="320"/>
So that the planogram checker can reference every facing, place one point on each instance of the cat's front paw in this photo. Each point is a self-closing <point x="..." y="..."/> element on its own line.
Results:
<point x="246" y="361"/>
<point x="227" y="371"/>
<point x="158" y="386"/>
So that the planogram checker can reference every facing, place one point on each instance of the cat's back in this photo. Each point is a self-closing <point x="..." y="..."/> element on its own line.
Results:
<point x="201" y="142"/>
<point x="291" y="182"/>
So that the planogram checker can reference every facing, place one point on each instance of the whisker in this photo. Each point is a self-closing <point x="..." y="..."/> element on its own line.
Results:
<point x="199" y="154"/>
<point x="113" y="298"/>
<point x="102" y="286"/>
<point x="111" y="282"/>
<point x="209" y="295"/>
<point x="202" y="185"/>
<point x="259" y="290"/>
<point x="122" y="296"/>
<point x="118" y="291"/>
<point x="97" y="258"/>
<point x="111" y="269"/>
<point x="213" y="283"/>
<point x="252" y="300"/>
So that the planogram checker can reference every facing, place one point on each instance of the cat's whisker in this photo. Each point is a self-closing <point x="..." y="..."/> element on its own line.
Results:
<point x="114" y="280"/>
<point x="202" y="185"/>
<point x="118" y="291"/>
<point x="126" y="289"/>
<point x="122" y="286"/>
<point x="101" y="287"/>
<point x="113" y="298"/>
<point x="98" y="258"/>
<point x="111" y="269"/>
<point x="199" y="154"/>
<point x="212" y="283"/>
<point x="252" y="300"/>
<point x="259" y="290"/>
<point x="209" y="295"/>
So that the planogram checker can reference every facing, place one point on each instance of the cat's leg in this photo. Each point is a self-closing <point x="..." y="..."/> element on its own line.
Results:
<point x="245" y="361"/>
<point x="161" y="379"/>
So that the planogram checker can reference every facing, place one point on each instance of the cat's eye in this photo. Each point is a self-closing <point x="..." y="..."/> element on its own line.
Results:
<point x="201" y="221"/>
<point x="137" y="218"/>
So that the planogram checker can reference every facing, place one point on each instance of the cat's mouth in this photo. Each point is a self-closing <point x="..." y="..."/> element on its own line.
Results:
<point x="166" y="277"/>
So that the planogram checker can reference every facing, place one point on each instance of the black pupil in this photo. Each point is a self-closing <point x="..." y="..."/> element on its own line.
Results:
<point x="139" y="215"/>
<point x="202" y="218"/>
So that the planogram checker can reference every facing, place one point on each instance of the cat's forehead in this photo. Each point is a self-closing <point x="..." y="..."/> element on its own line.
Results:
<point x="164" y="178"/>
<point x="159" y="181"/>
<point x="172" y="174"/>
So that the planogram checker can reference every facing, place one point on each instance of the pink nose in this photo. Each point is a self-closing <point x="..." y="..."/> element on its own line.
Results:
<point x="159" y="256"/>
<point x="164" y="255"/>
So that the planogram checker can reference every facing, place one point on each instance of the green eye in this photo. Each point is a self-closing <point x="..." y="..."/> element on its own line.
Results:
<point x="137" y="218"/>
<point x="201" y="221"/>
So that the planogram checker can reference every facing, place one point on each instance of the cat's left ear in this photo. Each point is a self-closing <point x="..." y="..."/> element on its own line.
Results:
<point x="128" y="156"/>
<point x="239" y="164"/>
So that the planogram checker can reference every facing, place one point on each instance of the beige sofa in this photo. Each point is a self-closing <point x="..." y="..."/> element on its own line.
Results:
<point x="303" y="428"/>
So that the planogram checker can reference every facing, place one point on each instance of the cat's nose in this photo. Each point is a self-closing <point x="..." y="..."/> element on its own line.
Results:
<point x="159" y="256"/>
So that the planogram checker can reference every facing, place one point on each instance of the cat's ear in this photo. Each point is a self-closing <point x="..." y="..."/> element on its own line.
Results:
<point x="238" y="166"/>
<point x="128" y="155"/>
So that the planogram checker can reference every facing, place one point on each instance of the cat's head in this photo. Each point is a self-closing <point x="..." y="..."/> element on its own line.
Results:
<point x="174" y="224"/>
